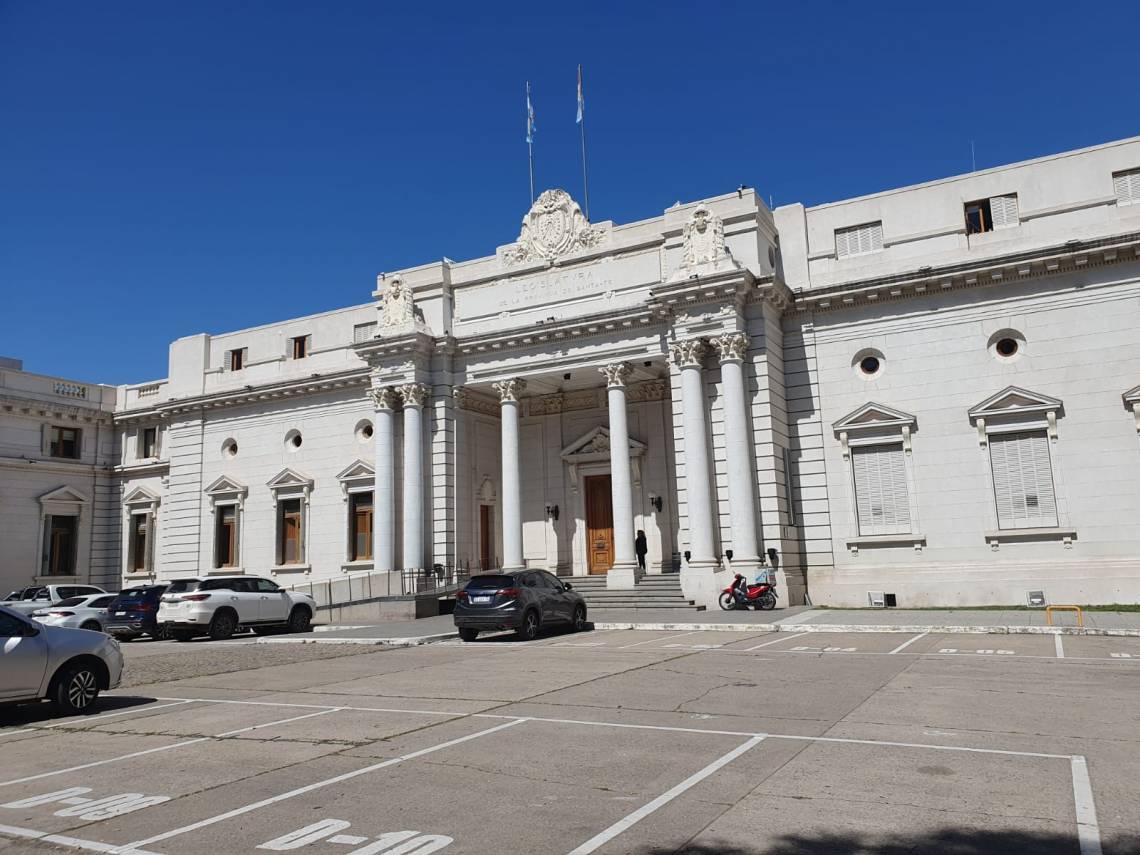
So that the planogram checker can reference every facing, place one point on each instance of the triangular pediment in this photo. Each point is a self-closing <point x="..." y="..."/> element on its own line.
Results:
<point x="354" y="470"/>
<point x="872" y="415"/>
<point x="597" y="441"/>
<point x="67" y="494"/>
<point x="226" y="485"/>
<point x="289" y="478"/>
<point x="1013" y="400"/>
<point x="1132" y="396"/>
<point x="140" y="495"/>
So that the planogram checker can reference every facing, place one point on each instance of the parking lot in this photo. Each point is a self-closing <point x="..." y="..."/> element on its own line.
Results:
<point x="607" y="741"/>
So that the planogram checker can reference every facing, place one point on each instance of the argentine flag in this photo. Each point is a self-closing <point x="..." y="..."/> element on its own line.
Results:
<point x="529" y="117"/>
<point x="581" y="99"/>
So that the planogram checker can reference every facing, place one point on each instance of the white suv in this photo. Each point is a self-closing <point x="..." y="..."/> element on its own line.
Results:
<point x="221" y="605"/>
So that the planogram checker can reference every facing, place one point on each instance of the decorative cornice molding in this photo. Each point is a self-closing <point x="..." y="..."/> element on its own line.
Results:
<point x="616" y="374"/>
<point x="730" y="347"/>
<point x="37" y="408"/>
<point x="688" y="353"/>
<point x="585" y="326"/>
<point x="252" y="395"/>
<point x="472" y="401"/>
<point x="510" y="390"/>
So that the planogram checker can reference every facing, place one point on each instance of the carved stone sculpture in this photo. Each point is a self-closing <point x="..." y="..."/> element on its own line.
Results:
<point x="616" y="373"/>
<point x="414" y="394"/>
<point x="553" y="227"/>
<point x="399" y="306"/>
<point x="509" y="390"/>
<point x="383" y="398"/>
<point x="687" y="353"/>
<point x="731" y="347"/>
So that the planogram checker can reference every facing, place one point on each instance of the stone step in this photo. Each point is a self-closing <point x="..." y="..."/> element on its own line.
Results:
<point x="596" y="607"/>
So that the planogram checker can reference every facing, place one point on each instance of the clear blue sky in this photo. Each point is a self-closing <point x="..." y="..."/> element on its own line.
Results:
<point x="169" y="168"/>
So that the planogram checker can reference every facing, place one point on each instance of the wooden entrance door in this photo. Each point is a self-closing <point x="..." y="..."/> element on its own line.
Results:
<point x="599" y="524"/>
<point x="486" y="536"/>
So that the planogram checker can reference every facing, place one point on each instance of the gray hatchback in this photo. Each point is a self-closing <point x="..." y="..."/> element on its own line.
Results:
<point x="523" y="601"/>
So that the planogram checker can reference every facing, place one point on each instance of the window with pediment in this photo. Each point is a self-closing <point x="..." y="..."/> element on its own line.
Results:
<point x="291" y="491"/>
<point x="227" y="504"/>
<point x="876" y="442"/>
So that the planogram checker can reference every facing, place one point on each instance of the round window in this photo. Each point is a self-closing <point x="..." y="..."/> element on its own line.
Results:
<point x="293" y="441"/>
<point x="363" y="431"/>
<point x="869" y="365"/>
<point x="1007" y="346"/>
<point x="366" y="431"/>
<point x="230" y="448"/>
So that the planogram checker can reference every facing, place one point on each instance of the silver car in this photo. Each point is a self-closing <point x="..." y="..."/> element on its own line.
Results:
<point x="42" y="596"/>
<point x="87" y="612"/>
<point x="67" y="666"/>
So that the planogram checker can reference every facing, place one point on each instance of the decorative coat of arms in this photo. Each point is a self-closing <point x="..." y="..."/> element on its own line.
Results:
<point x="702" y="243"/>
<point x="553" y="227"/>
<point x="399" y="307"/>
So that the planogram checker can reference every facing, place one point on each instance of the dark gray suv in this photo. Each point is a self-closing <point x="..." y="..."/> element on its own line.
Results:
<point x="523" y="601"/>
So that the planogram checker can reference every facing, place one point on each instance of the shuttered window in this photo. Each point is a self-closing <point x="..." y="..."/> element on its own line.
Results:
<point x="881" y="498"/>
<point x="1003" y="209"/>
<point x="1023" y="480"/>
<point x="859" y="240"/>
<point x="1127" y="187"/>
<point x="363" y="332"/>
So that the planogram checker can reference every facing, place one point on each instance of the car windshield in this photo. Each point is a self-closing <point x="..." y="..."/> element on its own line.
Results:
<point x="179" y="586"/>
<point x="491" y="580"/>
<point x="135" y="595"/>
<point x="71" y="601"/>
<point x="32" y="593"/>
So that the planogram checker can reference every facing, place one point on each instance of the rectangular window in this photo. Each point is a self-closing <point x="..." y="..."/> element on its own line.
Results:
<point x="300" y="346"/>
<point x="149" y="443"/>
<point x="360" y="534"/>
<point x="792" y="520"/>
<point x="290" y="548"/>
<point x="1126" y="185"/>
<point x="61" y="537"/>
<point x="1023" y="480"/>
<point x="140" y="537"/>
<point x="881" y="498"/>
<point x="363" y="332"/>
<point x="997" y="212"/>
<point x="237" y="359"/>
<point x="226" y="536"/>
<point x="64" y="442"/>
<point x="859" y="240"/>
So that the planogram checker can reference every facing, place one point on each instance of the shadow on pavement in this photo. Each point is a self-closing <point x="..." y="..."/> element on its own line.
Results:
<point x="507" y="636"/>
<point x="944" y="842"/>
<point x="35" y="713"/>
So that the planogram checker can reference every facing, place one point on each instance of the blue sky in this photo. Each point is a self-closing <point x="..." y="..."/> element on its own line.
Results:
<point x="172" y="168"/>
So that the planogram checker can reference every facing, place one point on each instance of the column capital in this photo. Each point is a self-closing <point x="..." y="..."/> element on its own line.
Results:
<point x="414" y="394"/>
<point x="383" y="398"/>
<point x="731" y="347"/>
<point x="616" y="374"/>
<point x="688" y="353"/>
<point x="509" y="390"/>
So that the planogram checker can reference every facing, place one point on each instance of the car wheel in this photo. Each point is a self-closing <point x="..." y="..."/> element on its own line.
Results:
<point x="75" y="689"/>
<point x="468" y="634"/>
<point x="528" y="629"/>
<point x="161" y="632"/>
<point x="727" y="602"/>
<point x="300" y="620"/>
<point x="222" y="626"/>
<point x="92" y="625"/>
<point x="579" y="622"/>
<point x="182" y="634"/>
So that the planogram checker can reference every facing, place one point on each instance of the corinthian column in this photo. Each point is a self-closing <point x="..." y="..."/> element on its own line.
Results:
<point x="414" y="395"/>
<point x="384" y="488"/>
<point x="624" y="571"/>
<point x="687" y="357"/>
<point x="731" y="349"/>
<point x="509" y="392"/>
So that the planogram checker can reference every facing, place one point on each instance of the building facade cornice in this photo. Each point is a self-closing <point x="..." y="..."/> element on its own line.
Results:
<point x="584" y="326"/>
<point x="1069" y="257"/>
<point x="271" y="391"/>
<point x="47" y="409"/>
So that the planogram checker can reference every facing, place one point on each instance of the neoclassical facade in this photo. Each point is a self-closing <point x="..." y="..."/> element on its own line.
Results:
<point x="926" y="396"/>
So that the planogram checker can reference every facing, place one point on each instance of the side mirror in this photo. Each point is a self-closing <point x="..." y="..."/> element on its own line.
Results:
<point x="566" y="586"/>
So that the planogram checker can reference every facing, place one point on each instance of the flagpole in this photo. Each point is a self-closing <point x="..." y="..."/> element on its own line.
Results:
<point x="530" y="141"/>
<point x="582" y="126"/>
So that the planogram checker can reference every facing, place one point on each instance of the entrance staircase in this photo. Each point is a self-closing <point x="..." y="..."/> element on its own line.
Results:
<point x="652" y="592"/>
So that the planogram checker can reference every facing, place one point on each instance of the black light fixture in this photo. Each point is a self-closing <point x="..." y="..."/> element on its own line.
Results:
<point x="655" y="502"/>
<point x="552" y="512"/>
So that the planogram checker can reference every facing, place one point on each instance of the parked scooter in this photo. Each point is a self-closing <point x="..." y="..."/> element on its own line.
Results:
<point x="741" y="595"/>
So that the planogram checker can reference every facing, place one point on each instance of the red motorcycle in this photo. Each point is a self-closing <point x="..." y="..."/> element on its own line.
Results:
<point x="741" y="595"/>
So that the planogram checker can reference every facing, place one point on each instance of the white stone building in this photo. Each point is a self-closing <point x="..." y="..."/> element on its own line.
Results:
<point x="929" y="393"/>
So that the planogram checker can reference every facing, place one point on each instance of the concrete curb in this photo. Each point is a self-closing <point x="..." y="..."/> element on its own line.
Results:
<point x="414" y="641"/>
<point x="816" y="627"/>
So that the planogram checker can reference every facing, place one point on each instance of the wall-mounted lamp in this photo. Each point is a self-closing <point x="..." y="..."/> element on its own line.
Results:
<point x="656" y="503"/>
<point x="552" y="512"/>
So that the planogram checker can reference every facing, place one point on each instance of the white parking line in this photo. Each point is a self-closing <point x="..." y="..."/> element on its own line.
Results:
<point x="69" y="842"/>
<point x="907" y="644"/>
<point x="1088" y="830"/>
<point x="331" y="707"/>
<point x="160" y="748"/>
<point x="1060" y="646"/>
<point x="651" y="640"/>
<point x="308" y="788"/>
<point x="603" y="837"/>
<point x="776" y="641"/>
<point x="93" y="719"/>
